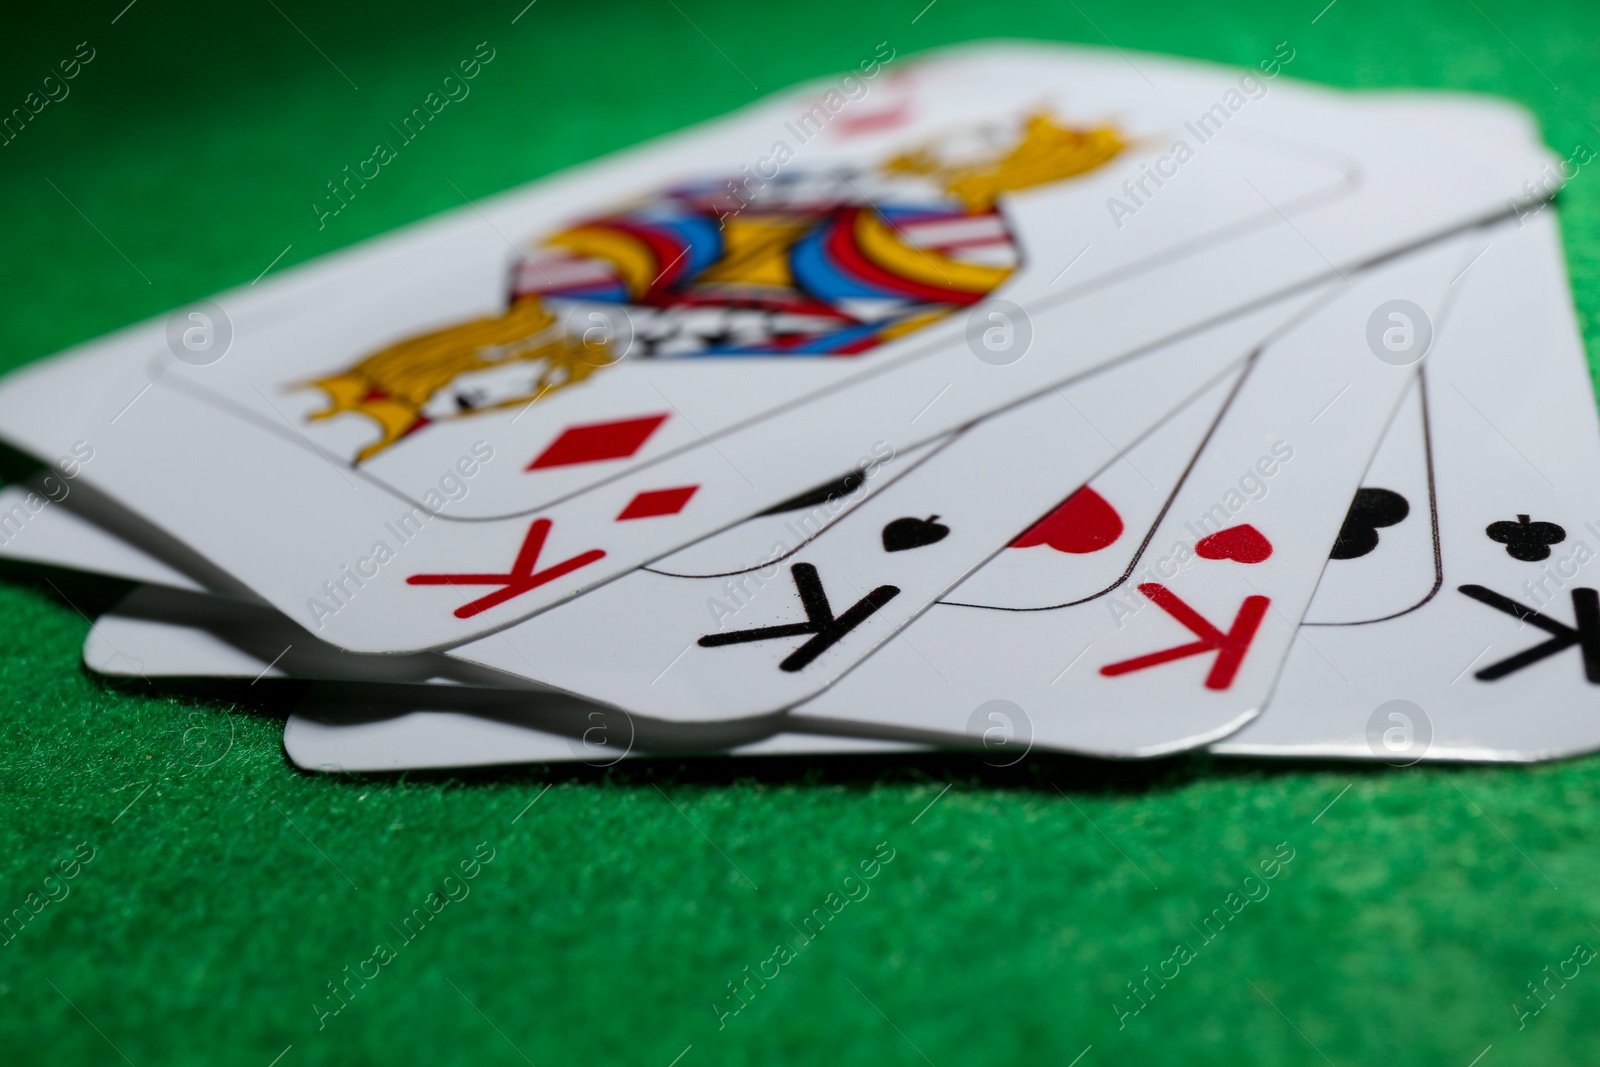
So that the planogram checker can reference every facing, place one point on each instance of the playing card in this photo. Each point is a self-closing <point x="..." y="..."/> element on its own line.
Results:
<point x="1483" y="645"/>
<point x="1187" y="645"/>
<point x="424" y="387"/>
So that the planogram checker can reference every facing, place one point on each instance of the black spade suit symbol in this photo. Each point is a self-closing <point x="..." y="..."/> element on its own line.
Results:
<point x="1524" y="540"/>
<point x="902" y="534"/>
<point x="1371" y="509"/>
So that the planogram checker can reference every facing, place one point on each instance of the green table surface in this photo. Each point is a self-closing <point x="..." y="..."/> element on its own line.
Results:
<point x="226" y="891"/>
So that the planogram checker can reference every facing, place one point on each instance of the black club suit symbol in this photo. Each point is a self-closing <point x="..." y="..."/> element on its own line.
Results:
<point x="1524" y="540"/>
<point x="1370" y="510"/>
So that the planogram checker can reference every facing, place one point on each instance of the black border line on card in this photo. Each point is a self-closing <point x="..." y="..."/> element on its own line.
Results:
<point x="1433" y="515"/>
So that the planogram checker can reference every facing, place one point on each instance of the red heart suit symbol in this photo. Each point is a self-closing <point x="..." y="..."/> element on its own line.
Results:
<point x="1242" y="544"/>
<point x="1084" y="522"/>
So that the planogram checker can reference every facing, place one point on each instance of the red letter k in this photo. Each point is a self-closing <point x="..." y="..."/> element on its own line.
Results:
<point x="520" y="579"/>
<point x="1230" y="647"/>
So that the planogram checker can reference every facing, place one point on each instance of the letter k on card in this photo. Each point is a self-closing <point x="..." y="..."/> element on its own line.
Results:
<point x="520" y="579"/>
<point x="1230" y="647"/>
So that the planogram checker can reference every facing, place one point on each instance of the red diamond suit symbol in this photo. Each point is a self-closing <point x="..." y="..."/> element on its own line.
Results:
<point x="597" y="441"/>
<point x="653" y="502"/>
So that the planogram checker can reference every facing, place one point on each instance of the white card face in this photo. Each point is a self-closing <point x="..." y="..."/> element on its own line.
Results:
<point x="1500" y="661"/>
<point x="1512" y="299"/>
<point x="1308" y="733"/>
<point x="426" y="353"/>
<point x="1187" y="649"/>
<point x="795" y="619"/>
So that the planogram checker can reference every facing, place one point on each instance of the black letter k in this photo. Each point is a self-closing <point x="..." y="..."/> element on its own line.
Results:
<point x="826" y="630"/>
<point x="1586" y="634"/>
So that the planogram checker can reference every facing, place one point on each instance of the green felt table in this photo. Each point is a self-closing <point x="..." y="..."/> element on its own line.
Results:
<point x="226" y="891"/>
